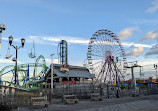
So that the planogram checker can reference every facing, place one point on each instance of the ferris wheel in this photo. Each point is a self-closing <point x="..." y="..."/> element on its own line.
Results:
<point x="106" y="57"/>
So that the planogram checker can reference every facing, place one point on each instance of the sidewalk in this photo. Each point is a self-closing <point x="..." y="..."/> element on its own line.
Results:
<point x="144" y="103"/>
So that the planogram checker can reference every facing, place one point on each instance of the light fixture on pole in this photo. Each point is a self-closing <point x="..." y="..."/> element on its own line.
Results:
<point x="22" y="42"/>
<point x="15" y="59"/>
<point x="2" y="27"/>
<point x="10" y="40"/>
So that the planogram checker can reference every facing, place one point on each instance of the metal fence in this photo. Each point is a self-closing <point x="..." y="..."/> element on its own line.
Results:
<point x="82" y="91"/>
<point x="85" y="90"/>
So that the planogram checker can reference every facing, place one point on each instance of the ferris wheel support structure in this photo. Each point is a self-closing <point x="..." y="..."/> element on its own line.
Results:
<point x="106" y="57"/>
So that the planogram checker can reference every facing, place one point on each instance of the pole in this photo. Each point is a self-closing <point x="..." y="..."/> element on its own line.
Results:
<point x="52" y="74"/>
<point x="1" y="39"/>
<point x="156" y="66"/>
<point x="133" y="82"/>
<point x="156" y="72"/>
<point x="16" y="66"/>
<point x="117" y="88"/>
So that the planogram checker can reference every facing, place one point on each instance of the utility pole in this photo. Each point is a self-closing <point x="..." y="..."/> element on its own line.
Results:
<point x="52" y="74"/>
<point x="156" y="66"/>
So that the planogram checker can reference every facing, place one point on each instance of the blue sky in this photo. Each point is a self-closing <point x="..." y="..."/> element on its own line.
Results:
<point x="48" y="21"/>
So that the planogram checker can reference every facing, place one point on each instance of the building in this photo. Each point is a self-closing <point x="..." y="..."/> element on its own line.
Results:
<point x="73" y="75"/>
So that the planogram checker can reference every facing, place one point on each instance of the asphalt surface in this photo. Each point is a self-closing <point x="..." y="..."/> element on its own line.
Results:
<point x="144" y="103"/>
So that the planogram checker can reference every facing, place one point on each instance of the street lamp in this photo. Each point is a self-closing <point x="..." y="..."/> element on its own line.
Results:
<point x="2" y="27"/>
<point x="16" y="47"/>
<point x="156" y="66"/>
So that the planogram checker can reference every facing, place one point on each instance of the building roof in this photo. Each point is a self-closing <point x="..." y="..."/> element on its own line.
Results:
<point x="74" y="71"/>
<point x="71" y="66"/>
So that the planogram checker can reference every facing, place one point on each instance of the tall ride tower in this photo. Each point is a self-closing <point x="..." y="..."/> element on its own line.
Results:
<point x="62" y="53"/>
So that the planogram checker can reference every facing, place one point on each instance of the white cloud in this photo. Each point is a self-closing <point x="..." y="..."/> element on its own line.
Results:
<point x="136" y="51"/>
<point x="153" y="8"/>
<point x="7" y="39"/>
<point x="55" y="61"/>
<point x="75" y="40"/>
<point x="53" y="40"/>
<point x="127" y="32"/>
<point x="150" y="36"/>
<point x="153" y="50"/>
<point x="39" y="40"/>
<point x="130" y="44"/>
<point x="8" y="61"/>
<point x="145" y="62"/>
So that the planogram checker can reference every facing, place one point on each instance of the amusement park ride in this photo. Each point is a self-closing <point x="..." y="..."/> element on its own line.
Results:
<point x="23" y="77"/>
<point x="31" y="54"/>
<point x="106" y="57"/>
<point x="23" y="71"/>
<point x="62" y="55"/>
<point x="106" y="61"/>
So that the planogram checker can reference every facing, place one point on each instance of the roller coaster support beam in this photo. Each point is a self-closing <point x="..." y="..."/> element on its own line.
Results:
<point x="27" y="78"/>
<point x="0" y="78"/>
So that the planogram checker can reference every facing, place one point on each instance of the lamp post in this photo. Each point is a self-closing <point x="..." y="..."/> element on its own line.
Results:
<point x="16" y="48"/>
<point x="156" y="66"/>
<point x="52" y="73"/>
<point x="2" y="27"/>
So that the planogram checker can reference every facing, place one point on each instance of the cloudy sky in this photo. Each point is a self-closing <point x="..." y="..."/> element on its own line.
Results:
<point x="48" y="21"/>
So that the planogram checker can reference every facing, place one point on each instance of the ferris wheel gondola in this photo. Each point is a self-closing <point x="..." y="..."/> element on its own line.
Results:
<point x="105" y="56"/>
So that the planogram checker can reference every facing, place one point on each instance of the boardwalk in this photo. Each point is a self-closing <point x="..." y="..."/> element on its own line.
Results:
<point x="144" y="103"/>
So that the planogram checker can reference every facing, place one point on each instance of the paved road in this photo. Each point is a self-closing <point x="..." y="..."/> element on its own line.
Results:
<point x="144" y="103"/>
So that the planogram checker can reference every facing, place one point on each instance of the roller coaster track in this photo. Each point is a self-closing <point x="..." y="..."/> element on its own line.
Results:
<point x="20" y="69"/>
